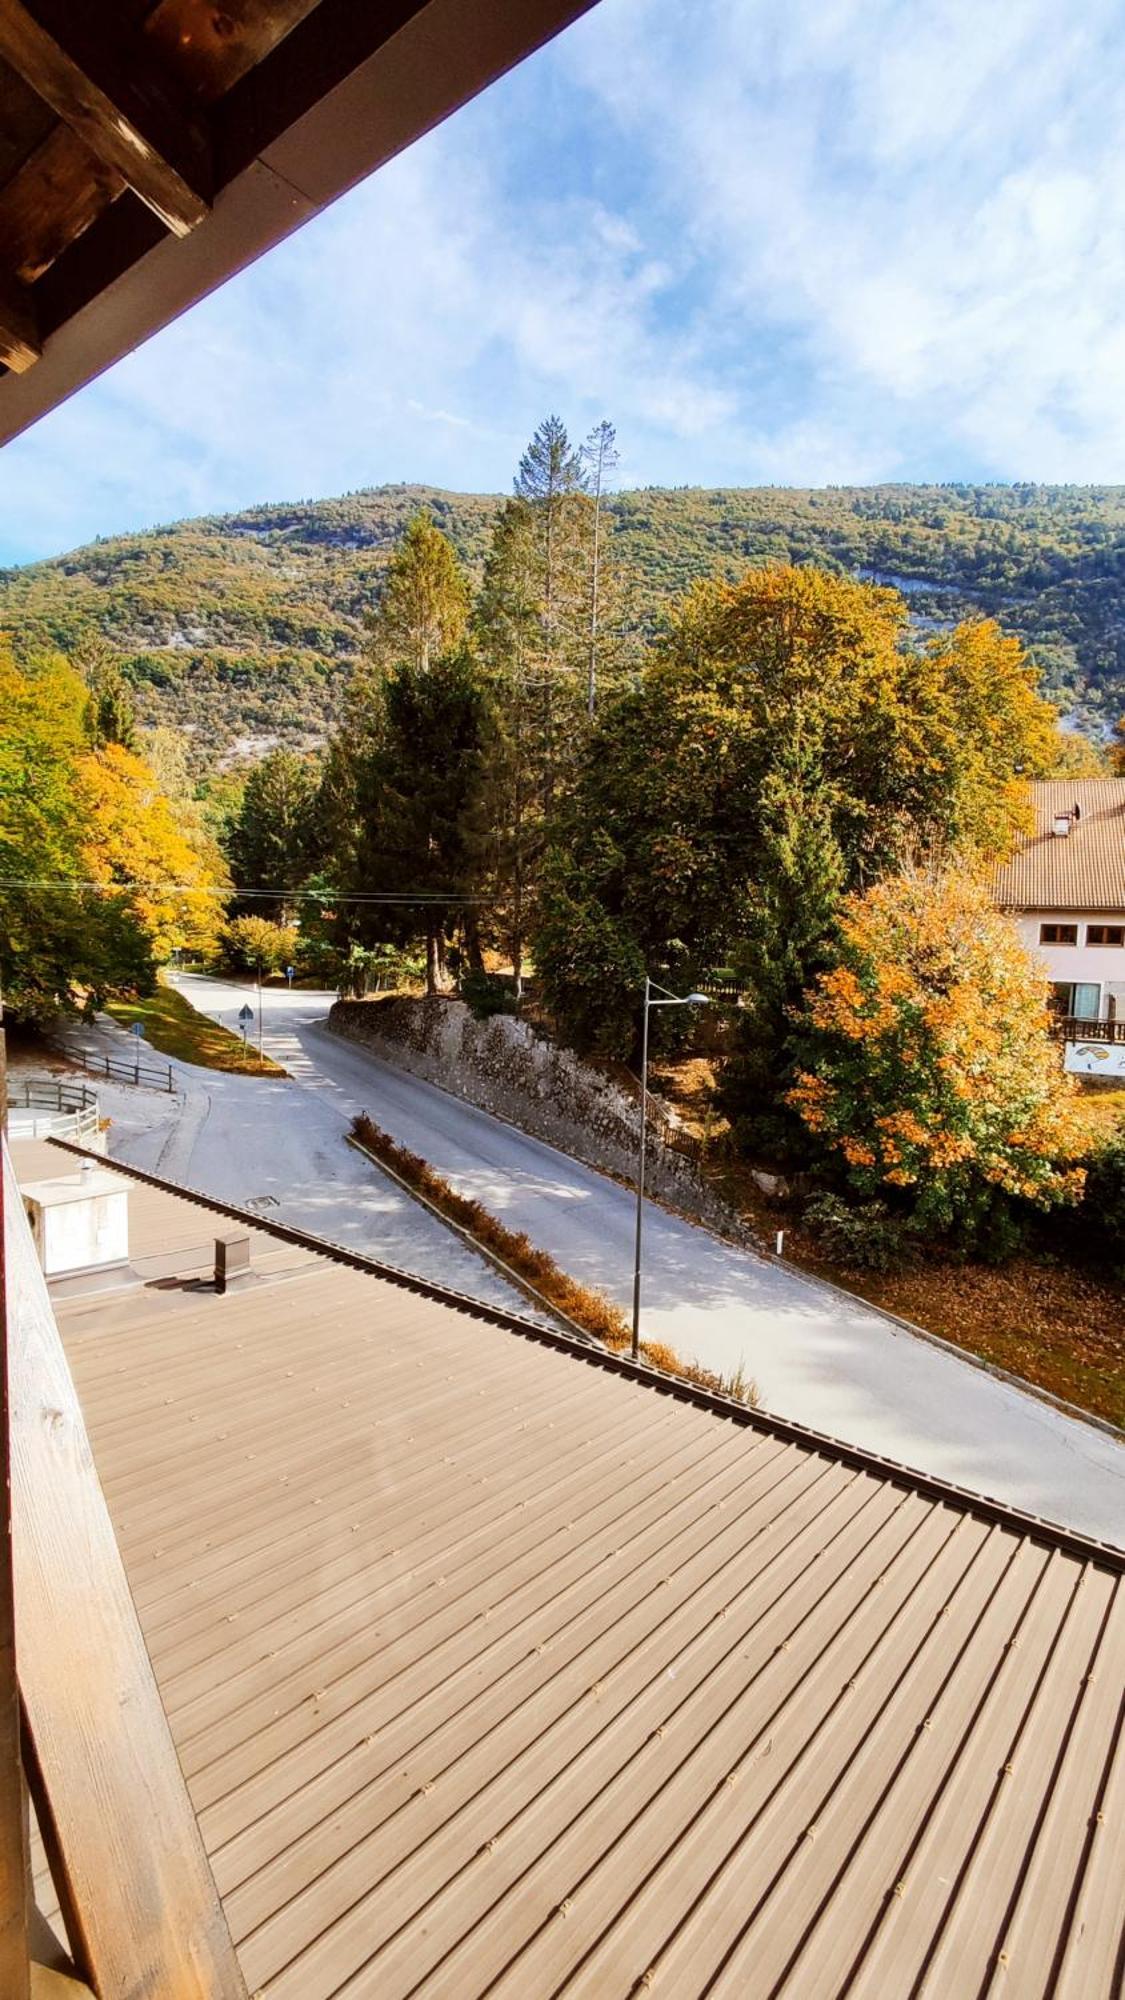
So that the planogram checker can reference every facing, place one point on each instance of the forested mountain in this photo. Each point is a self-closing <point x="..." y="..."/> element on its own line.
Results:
<point x="241" y="627"/>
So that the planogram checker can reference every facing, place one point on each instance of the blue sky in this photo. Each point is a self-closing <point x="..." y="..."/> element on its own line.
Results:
<point x="775" y="241"/>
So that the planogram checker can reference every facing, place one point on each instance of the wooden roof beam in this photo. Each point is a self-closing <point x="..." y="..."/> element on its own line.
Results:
<point x="20" y="346"/>
<point x="118" y="105"/>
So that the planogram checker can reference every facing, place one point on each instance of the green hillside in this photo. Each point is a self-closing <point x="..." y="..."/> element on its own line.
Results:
<point x="243" y="626"/>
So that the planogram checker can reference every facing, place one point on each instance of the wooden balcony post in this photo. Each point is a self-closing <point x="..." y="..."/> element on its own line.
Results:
<point x="14" y="1969"/>
<point x="141" y="1908"/>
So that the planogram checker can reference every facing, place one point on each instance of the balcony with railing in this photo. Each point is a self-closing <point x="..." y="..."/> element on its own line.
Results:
<point x="1071" y="1028"/>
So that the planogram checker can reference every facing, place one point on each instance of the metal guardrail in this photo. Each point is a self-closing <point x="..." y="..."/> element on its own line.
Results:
<point x="119" y="1069"/>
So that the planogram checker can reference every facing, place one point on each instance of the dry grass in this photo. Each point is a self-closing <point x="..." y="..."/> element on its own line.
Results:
<point x="1100" y="1114"/>
<point x="588" y="1309"/>
<point x="172" y="1025"/>
<point x="688" y="1085"/>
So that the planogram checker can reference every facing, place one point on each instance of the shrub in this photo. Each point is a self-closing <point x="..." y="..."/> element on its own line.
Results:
<point x="587" y="1308"/>
<point x="486" y="994"/>
<point x="1103" y="1204"/>
<point x="867" y="1236"/>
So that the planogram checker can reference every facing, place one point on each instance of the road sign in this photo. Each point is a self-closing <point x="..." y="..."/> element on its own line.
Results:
<point x="246" y="1014"/>
<point x="137" y="1029"/>
<point x="290" y="971"/>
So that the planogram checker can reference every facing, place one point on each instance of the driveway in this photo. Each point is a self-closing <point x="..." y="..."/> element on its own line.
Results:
<point x="817" y="1358"/>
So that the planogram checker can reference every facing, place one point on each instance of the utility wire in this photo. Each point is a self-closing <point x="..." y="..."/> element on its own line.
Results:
<point x="243" y="895"/>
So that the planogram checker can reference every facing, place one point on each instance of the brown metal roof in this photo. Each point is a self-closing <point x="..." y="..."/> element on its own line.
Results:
<point x="494" y="1669"/>
<point x="1083" y="870"/>
<point x="150" y="148"/>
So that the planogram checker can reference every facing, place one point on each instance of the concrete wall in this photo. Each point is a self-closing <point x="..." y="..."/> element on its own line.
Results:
<point x="503" y="1066"/>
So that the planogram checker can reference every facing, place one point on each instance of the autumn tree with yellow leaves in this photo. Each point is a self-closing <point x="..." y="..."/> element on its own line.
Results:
<point x="101" y="877"/>
<point x="134" y="836"/>
<point x="928" y="1071"/>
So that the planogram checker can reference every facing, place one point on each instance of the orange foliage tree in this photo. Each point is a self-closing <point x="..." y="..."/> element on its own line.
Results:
<point x="928" y="1072"/>
<point x="134" y="837"/>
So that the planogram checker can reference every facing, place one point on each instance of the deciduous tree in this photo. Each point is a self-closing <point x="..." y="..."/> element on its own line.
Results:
<point x="255" y="944"/>
<point x="134" y="837"/>
<point x="928" y="1071"/>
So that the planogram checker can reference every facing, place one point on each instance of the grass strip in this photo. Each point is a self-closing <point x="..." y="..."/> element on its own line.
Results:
<point x="172" y="1025"/>
<point x="580" y="1303"/>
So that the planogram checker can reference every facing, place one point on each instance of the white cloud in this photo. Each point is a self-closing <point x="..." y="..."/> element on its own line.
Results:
<point x="785" y="240"/>
<point x="927" y="197"/>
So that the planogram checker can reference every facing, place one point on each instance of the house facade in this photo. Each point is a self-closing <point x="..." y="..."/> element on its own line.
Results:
<point x="1065" y="891"/>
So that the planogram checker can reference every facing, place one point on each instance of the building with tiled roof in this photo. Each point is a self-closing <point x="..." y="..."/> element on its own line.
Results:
<point x="1065" y="887"/>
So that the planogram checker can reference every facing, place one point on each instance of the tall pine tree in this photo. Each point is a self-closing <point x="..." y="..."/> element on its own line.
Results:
<point x="424" y="607"/>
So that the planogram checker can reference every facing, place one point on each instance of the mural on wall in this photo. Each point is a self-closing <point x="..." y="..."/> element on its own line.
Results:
<point x="1096" y="1058"/>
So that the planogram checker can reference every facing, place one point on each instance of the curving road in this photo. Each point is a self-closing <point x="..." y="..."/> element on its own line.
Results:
<point x="816" y="1357"/>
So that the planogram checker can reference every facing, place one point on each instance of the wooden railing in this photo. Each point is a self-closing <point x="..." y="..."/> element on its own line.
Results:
<point x="79" y="1704"/>
<point x="123" y="1069"/>
<point x="1069" y="1028"/>
<point x="69" y="1109"/>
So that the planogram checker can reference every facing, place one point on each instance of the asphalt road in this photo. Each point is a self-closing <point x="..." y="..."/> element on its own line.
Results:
<point x="821" y="1360"/>
<point x="280" y="1147"/>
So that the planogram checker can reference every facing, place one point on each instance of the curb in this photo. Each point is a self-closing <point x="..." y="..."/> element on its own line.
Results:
<point x="993" y="1368"/>
<point x="750" y="1244"/>
<point x="490" y="1257"/>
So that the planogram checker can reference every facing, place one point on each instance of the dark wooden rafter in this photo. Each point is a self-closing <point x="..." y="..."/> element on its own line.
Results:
<point x="58" y="191"/>
<point x="300" y="99"/>
<point x="20" y="345"/>
<point x="119" y="106"/>
<point x="212" y="47"/>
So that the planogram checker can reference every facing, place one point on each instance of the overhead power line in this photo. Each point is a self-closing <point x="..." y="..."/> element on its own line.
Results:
<point x="408" y="896"/>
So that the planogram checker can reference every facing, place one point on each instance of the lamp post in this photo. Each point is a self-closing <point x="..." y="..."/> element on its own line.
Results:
<point x="669" y="1000"/>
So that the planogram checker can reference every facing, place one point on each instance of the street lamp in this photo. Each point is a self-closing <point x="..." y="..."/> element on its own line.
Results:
<point x="669" y="1000"/>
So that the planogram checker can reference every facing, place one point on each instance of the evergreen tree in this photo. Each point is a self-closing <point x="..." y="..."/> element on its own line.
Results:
<point x="540" y="628"/>
<point x="509" y="634"/>
<point x="419" y="779"/>
<point x="550" y="475"/>
<point x="270" y="838"/>
<point x="789" y="929"/>
<point x="110" y="716"/>
<point x="424" y="606"/>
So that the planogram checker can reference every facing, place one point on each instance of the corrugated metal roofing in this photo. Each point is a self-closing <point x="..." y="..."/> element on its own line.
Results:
<point x="493" y="1670"/>
<point x="1083" y="871"/>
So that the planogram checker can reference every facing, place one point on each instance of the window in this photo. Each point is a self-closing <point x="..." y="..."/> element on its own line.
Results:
<point x="1081" y="1002"/>
<point x="1105" y="934"/>
<point x="1058" y="933"/>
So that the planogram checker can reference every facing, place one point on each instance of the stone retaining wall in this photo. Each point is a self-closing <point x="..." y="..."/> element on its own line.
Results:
<point x="502" y="1065"/>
